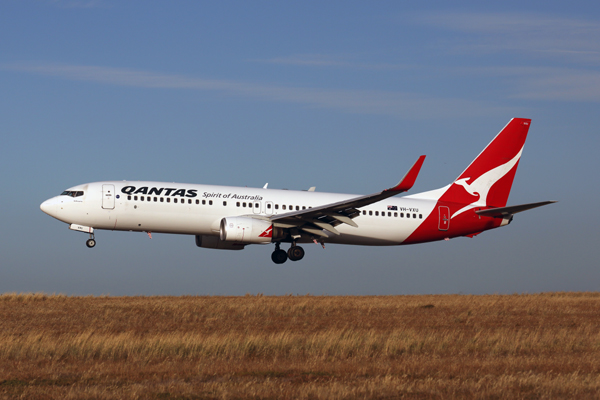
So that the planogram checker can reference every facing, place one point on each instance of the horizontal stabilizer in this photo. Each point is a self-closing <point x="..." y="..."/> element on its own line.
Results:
<point x="502" y="212"/>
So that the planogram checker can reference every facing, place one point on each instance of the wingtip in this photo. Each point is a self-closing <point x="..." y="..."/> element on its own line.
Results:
<point x="411" y="176"/>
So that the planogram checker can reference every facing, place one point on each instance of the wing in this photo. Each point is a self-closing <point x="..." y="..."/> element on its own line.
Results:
<point x="316" y="219"/>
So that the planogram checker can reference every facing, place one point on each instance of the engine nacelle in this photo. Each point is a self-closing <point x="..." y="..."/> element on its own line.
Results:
<point x="249" y="230"/>
<point x="213" y="242"/>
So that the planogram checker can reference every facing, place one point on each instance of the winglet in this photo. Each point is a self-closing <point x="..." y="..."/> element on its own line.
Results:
<point x="409" y="179"/>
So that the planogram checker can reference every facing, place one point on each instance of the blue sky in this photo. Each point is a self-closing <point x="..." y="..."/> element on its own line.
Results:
<point x="343" y="96"/>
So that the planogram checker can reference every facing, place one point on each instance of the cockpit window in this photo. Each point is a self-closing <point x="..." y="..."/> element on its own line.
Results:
<point x="72" y="193"/>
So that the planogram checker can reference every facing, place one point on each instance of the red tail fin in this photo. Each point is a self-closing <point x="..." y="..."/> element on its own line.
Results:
<point x="487" y="181"/>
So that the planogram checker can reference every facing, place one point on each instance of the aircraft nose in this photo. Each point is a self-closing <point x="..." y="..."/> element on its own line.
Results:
<point x="45" y="207"/>
<point x="49" y="207"/>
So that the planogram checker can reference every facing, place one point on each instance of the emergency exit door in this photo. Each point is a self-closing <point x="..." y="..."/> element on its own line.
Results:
<point x="108" y="196"/>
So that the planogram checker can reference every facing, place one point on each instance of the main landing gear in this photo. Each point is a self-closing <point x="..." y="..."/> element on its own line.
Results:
<point x="91" y="242"/>
<point x="295" y="253"/>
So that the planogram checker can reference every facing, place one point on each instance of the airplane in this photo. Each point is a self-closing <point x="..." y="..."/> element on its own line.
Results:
<point x="230" y="218"/>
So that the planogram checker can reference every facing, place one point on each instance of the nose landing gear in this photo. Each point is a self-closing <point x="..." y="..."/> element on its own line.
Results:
<point x="91" y="242"/>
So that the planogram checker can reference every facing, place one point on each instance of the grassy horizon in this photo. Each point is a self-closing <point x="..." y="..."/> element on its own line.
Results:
<point x="190" y="347"/>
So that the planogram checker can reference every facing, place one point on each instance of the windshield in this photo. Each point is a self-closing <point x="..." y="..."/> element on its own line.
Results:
<point x="72" y="193"/>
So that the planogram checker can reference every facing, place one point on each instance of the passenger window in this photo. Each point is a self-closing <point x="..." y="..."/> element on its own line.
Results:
<point x="237" y="204"/>
<point x="168" y="199"/>
<point x="283" y="207"/>
<point x="134" y="197"/>
<point x="297" y="208"/>
<point x="203" y="202"/>
<point x="256" y="205"/>
<point x="210" y="202"/>
<point x="364" y="212"/>
<point x="407" y="215"/>
<point x="243" y="204"/>
<point x="149" y="198"/>
<point x="277" y="206"/>
<point x="370" y="212"/>
<point x="162" y="199"/>
<point x="395" y="214"/>
<point x="376" y="213"/>
<point x="304" y="207"/>
<point x="155" y="199"/>
<point x="175" y="200"/>
<point x="420" y="216"/>
<point x="269" y="206"/>
<point x="291" y="208"/>
<point x="389" y="214"/>
<point x="224" y="203"/>
<point x="414" y="215"/>
<point x="129" y="197"/>
<point x="401" y="215"/>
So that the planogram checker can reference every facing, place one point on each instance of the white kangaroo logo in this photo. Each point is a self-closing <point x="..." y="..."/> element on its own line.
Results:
<point x="482" y="185"/>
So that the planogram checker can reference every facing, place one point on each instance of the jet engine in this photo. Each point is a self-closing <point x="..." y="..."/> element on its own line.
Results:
<point x="213" y="242"/>
<point x="249" y="230"/>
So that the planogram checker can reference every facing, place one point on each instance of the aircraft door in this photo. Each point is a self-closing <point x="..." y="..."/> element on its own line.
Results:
<point x="444" y="222"/>
<point x="256" y="207"/>
<point x="108" y="196"/>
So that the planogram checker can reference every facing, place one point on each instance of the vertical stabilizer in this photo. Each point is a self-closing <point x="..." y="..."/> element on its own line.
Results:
<point x="488" y="179"/>
<point x="460" y="207"/>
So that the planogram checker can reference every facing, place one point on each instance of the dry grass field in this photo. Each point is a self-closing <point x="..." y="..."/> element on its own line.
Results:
<point x="305" y="347"/>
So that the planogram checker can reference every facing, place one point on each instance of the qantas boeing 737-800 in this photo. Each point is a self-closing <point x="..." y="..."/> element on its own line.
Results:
<point x="230" y="218"/>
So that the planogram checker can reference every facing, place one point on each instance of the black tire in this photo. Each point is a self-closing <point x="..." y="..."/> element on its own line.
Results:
<point x="279" y="256"/>
<point x="90" y="243"/>
<point x="295" y="253"/>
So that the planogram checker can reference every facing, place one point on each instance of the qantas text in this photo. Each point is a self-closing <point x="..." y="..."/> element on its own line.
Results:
<point x="160" y="191"/>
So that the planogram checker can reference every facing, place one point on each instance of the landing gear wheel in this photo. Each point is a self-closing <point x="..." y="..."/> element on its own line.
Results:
<point x="295" y="253"/>
<point x="279" y="256"/>
<point x="90" y="243"/>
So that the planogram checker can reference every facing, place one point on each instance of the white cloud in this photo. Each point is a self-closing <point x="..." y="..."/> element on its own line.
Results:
<point x="561" y="84"/>
<point x="327" y="60"/>
<point x="318" y="60"/>
<point x="545" y="83"/>
<point x="565" y="38"/>
<point x="78" y="3"/>
<point x="399" y="104"/>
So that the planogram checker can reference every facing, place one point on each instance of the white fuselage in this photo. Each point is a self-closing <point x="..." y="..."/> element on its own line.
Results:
<point x="198" y="209"/>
